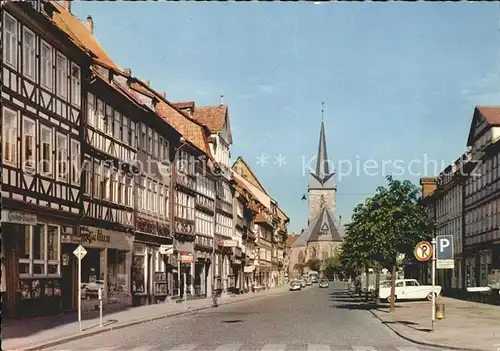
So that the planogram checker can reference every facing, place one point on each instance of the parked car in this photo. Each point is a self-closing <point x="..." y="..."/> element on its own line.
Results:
<point x="324" y="283"/>
<point x="308" y="281"/>
<point x="302" y="283"/>
<point x="408" y="289"/>
<point x="295" y="285"/>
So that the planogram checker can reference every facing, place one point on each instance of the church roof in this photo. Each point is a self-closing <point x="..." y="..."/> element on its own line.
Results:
<point x="323" y="227"/>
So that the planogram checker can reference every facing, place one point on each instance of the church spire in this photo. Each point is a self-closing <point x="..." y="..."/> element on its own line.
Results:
<point x="322" y="173"/>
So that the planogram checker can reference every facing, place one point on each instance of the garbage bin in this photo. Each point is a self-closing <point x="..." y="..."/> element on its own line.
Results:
<point x="440" y="311"/>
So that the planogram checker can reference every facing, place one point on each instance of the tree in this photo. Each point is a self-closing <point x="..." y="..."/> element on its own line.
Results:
<point x="300" y="267"/>
<point x="314" y="264"/>
<point x="333" y="267"/>
<point x="387" y="224"/>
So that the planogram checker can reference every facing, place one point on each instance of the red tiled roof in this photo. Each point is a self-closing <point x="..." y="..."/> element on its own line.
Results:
<point x="213" y="117"/>
<point x="490" y="113"/>
<point x="291" y="239"/>
<point x="189" y="129"/>
<point x="79" y="33"/>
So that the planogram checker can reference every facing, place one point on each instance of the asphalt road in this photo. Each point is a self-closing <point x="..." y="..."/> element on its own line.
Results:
<point x="311" y="319"/>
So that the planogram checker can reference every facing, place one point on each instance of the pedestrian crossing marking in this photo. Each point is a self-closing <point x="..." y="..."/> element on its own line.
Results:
<point x="229" y="347"/>
<point x="273" y="347"/>
<point x="407" y="348"/>
<point x="185" y="347"/>
<point x="318" y="347"/>
<point x="364" y="348"/>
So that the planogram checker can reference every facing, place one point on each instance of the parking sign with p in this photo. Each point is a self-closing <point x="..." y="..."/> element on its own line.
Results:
<point x="444" y="247"/>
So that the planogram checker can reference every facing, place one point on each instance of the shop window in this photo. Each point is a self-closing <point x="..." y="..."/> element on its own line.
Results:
<point x="138" y="284"/>
<point x="39" y="250"/>
<point x="117" y="274"/>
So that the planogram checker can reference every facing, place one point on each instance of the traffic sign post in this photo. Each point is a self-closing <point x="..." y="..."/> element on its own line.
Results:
<point x="423" y="251"/>
<point x="444" y="252"/>
<point x="80" y="253"/>
<point x="433" y="282"/>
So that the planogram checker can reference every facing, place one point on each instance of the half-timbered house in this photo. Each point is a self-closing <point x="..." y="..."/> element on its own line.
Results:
<point x="228" y="253"/>
<point x="156" y="144"/>
<point x="42" y="83"/>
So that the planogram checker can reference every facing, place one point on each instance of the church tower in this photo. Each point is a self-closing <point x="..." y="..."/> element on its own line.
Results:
<point x="322" y="184"/>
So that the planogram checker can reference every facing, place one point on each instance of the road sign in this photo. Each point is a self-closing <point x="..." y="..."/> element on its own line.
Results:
<point x="444" y="247"/>
<point x="166" y="249"/>
<point x="444" y="252"/>
<point x="423" y="251"/>
<point x="80" y="252"/>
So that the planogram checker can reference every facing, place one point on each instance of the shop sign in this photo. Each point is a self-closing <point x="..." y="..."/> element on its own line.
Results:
<point x="186" y="257"/>
<point x="229" y="243"/>
<point x="248" y="269"/>
<point x="19" y="217"/>
<point x="90" y="235"/>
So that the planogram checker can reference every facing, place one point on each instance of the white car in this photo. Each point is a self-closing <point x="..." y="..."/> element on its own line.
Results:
<point x="408" y="289"/>
<point x="295" y="285"/>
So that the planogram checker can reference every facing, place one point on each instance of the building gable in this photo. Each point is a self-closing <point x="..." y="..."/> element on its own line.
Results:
<point x="242" y="168"/>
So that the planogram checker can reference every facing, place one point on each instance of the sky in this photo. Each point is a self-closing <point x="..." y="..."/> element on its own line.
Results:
<point x="399" y="81"/>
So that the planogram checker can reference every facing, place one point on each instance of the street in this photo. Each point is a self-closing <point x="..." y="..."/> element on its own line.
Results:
<point x="311" y="319"/>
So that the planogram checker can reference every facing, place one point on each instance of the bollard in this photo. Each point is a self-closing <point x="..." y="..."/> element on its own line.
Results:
<point x="440" y="311"/>
<point x="100" y="306"/>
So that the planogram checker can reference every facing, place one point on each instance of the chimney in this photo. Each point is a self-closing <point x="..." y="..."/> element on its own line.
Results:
<point x="67" y="5"/>
<point x="222" y="100"/>
<point x="428" y="185"/>
<point x="146" y="81"/>
<point x="89" y="23"/>
<point x="127" y="71"/>
<point x="163" y="94"/>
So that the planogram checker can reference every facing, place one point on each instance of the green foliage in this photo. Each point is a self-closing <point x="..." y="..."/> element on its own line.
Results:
<point x="314" y="264"/>
<point x="333" y="266"/>
<point x="390" y="222"/>
<point x="300" y="267"/>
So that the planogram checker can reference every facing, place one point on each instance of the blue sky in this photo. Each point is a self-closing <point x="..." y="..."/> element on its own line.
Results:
<point x="399" y="80"/>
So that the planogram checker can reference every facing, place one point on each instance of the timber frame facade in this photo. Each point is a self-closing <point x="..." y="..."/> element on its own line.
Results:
<point x="93" y="156"/>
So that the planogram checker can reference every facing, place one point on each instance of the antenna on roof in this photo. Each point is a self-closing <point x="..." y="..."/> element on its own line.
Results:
<point x="322" y="111"/>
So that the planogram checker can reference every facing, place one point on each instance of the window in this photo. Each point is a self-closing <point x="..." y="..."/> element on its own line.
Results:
<point x="9" y="136"/>
<point x="121" y="190"/>
<point x="97" y="180"/>
<point x="87" y="186"/>
<point x="62" y="76"/>
<point x="399" y="284"/>
<point x="106" y="184"/>
<point x="411" y="283"/>
<point x="125" y="131"/>
<point x="108" y="121"/>
<point x="75" y="162"/>
<point x="132" y="135"/>
<point x="143" y="140"/>
<point x="91" y="110"/>
<point x="75" y="85"/>
<point x="155" y="144"/>
<point x="62" y="156"/>
<point x="46" y="150"/>
<point x="101" y="118"/>
<point x="29" y="50"/>
<point x="114" y="188"/>
<point x="10" y="40"/>
<point x="29" y="144"/>
<point x="150" y="140"/>
<point x="40" y="255"/>
<point x="46" y="66"/>
<point x="128" y="194"/>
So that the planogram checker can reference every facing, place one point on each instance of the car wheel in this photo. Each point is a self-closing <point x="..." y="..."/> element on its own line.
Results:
<point x="389" y="299"/>
<point x="429" y="296"/>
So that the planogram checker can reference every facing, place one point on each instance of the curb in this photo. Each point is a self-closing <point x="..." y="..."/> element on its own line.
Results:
<point x="439" y="346"/>
<point x="132" y="323"/>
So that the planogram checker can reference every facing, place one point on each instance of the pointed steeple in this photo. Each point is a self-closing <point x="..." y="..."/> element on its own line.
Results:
<point x="322" y="166"/>
<point x="322" y="173"/>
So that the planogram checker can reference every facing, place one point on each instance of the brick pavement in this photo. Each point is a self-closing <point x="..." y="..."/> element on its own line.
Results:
<point x="467" y="325"/>
<point x="33" y="334"/>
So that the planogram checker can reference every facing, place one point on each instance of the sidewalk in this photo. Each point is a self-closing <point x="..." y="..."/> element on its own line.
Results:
<point x="466" y="326"/>
<point x="34" y="334"/>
